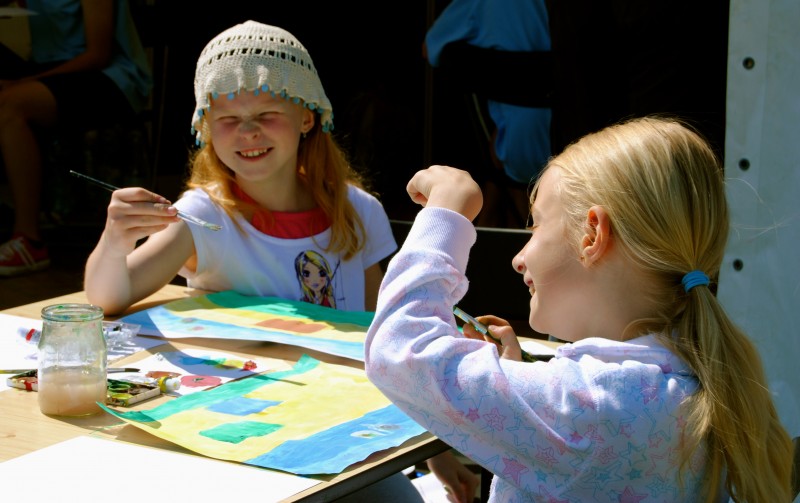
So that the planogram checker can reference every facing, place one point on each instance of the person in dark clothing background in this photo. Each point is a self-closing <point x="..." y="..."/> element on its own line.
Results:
<point x="617" y="59"/>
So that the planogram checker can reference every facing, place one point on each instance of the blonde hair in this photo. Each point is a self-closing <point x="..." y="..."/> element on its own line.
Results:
<point x="321" y="166"/>
<point x="663" y="189"/>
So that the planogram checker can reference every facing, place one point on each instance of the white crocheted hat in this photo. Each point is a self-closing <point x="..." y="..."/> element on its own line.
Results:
<point x="256" y="57"/>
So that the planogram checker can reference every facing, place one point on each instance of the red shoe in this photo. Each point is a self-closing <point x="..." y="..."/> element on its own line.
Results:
<point x="19" y="256"/>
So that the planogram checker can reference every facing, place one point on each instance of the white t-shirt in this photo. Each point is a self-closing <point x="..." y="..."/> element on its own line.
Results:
<point x="253" y="263"/>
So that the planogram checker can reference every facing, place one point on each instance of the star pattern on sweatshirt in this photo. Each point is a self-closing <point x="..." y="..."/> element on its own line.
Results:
<point x="649" y="391"/>
<point x="513" y="468"/>
<point x="494" y="419"/>
<point x="631" y="496"/>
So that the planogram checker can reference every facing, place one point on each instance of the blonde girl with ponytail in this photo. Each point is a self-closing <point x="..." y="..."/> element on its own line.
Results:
<point x="663" y="189"/>
<point x="657" y="395"/>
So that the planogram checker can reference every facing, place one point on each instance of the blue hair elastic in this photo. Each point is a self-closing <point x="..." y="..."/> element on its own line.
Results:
<point x="693" y="279"/>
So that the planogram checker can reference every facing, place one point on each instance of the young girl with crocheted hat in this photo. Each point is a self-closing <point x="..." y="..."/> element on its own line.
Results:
<point x="656" y="397"/>
<point x="273" y="188"/>
<point x="269" y="177"/>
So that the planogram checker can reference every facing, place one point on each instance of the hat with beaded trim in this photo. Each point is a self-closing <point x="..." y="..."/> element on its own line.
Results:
<point x="257" y="58"/>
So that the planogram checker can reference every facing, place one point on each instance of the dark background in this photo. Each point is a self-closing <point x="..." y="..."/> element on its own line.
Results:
<point x="395" y="115"/>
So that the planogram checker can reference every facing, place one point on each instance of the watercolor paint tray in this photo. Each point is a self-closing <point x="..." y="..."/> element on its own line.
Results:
<point x="120" y="393"/>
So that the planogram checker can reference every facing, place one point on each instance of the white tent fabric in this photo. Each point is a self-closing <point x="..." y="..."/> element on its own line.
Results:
<point x="759" y="283"/>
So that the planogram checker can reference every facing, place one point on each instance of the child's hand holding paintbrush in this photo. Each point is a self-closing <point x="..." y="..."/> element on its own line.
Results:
<point x="133" y="214"/>
<point x="507" y="343"/>
<point x="155" y="199"/>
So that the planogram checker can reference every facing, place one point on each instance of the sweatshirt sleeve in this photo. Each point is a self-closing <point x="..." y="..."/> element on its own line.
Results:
<point x="503" y="414"/>
<point x="457" y="388"/>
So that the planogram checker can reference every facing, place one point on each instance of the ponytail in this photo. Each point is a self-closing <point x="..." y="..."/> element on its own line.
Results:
<point x="732" y="414"/>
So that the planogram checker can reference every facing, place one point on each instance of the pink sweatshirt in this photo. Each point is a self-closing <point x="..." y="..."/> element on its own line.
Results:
<point x="600" y="422"/>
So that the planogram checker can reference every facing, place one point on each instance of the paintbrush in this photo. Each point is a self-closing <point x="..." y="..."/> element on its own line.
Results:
<point x="183" y="216"/>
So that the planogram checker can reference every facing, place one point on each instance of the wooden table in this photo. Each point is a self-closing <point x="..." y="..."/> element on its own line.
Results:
<point x="24" y="429"/>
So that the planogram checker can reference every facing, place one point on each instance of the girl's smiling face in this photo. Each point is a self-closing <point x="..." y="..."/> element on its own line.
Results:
<point x="550" y="264"/>
<point x="257" y="136"/>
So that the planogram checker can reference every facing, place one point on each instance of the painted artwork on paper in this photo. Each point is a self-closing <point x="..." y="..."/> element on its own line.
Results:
<point x="313" y="419"/>
<point x="229" y="315"/>
<point x="199" y="369"/>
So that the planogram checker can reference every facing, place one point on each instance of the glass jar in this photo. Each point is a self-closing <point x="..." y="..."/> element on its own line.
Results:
<point x="72" y="358"/>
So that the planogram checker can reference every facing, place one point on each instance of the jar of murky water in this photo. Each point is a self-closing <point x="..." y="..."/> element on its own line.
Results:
<point x="72" y="359"/>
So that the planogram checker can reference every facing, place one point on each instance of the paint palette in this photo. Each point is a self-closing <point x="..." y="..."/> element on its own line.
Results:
<point x="120" y="393"/>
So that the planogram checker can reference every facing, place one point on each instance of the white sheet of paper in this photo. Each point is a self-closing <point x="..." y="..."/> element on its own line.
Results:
<point x="90" y="468"/>
<point x="537" y="348"/>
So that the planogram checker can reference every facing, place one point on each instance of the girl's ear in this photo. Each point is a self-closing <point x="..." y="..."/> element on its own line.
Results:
<point x="308" y="121"/>
<point x="597" y="238"/>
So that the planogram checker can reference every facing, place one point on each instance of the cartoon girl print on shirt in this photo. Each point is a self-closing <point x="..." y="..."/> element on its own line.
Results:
<point x="315" y="278"/>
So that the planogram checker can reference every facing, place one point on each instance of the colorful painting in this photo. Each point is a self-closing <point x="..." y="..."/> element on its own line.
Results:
<point x="229" y="315"/>
<point x="315" y="418"/>
<point x="198" y="369"/>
